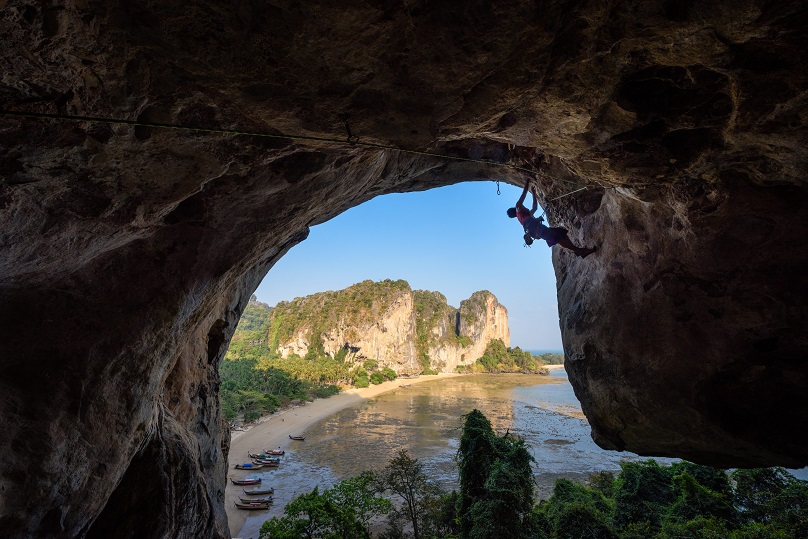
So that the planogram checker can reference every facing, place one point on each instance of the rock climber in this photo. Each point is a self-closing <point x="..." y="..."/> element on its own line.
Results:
<point x="535" y="229"/>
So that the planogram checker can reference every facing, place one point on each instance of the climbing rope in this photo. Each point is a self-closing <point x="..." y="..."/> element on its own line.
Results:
<point x="351" y="140"/>
<point x="562" y="196"/>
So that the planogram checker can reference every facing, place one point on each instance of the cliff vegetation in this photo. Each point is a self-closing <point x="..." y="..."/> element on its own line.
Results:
<point x="365" y="334"/>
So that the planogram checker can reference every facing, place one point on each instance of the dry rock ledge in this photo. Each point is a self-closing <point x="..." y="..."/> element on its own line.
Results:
<point x="128" y="253"/>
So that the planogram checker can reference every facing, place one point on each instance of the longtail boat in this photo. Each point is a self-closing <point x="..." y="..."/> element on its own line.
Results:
<point x="252" y="506"/>
<point x="250" y="466"/>
<point x="260" y="490"/>
<point x="256" y="500"/>
<point x="276" y="452"/>
<point x="298" y="438"/>
<point x="263" y="456"/>
<point x="248" y="481"/>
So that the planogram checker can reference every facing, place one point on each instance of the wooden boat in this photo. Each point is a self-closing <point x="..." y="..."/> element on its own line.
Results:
<point x="276" y="452"/>
<point x="256" y="500"/>
<point x="260" y="490"/>
<point x="269" y="463"/>
<point x="263" y="456"/>
<point x="298" y="438"/>
<point x="249" y="466"/>
<point x="252" y="506"/>
<point x="248" y="481"/>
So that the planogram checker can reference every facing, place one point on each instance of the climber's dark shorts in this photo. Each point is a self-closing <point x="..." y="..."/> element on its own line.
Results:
<point x="550" y="234"/>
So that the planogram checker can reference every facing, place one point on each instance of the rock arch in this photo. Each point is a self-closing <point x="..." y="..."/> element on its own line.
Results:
<point x="129" y="253"/>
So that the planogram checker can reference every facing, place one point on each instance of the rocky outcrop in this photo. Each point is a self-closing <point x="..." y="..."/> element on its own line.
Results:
<point x="406" y="330"/>
<point x="128" y="252"/>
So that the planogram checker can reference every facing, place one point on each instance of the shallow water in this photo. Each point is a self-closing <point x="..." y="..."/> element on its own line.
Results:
<point x="426" y="419"/>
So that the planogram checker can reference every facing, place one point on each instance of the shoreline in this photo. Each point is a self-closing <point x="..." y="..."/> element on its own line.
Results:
<point x="273" y="431"/>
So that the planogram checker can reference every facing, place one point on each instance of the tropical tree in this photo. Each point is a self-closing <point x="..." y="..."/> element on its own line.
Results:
<point x="642" y="494"/>
<point x="496" y="482"/>
<point x="343" y="511"/>
<point x="405" y="478"/>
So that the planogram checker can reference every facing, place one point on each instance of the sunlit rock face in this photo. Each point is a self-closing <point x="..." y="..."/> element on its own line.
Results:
<point x="128" y="253"/>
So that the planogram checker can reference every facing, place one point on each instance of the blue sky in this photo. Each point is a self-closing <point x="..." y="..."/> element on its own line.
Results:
<point x="455" y="240"/>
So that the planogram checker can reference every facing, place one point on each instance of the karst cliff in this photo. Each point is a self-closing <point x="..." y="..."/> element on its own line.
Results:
<point x="129" y="250"/>
<point x="404" y="329"/>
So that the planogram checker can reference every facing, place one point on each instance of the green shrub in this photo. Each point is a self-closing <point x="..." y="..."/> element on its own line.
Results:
<point x="370" y="365"/>
<point x="376" y="378"/>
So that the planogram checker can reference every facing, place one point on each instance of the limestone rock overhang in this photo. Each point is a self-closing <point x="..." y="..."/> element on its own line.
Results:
<point x="128" y="253"/>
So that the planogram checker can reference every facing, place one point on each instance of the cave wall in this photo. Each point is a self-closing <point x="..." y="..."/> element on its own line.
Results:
<point x="128" y="253"/>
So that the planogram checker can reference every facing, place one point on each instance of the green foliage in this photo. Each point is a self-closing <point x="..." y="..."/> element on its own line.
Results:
<point x="431" y="310"/>
<point x="389" y="374"/>
<point x="642" y="493"/>
<point x="249" y="339"/>
<point x="498" y="358"/>
<point x="342" y="511"/>
<point x="361" y="381"/>
<point x="422" y="504"/>
<point x="570" y="498"/>
<point x="252" y="391"/>
<point x="341" y="354"/>
<point x="370" y="365"/>
<point x="772" y="497"/>
<point x="496" y="482"/>
<point x="603" y="482"/>
<point x="550" y="358"/>
<point x="376" y="378"/>
<point x="695" y="500"/>
<point x="645" y="501"/>
<point x="352" y="306"/>
<point x="582" y="521"/>
<point x="681" y="501"/>
<point x="700" y="527"/>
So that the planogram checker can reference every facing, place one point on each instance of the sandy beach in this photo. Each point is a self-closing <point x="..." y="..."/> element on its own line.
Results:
<point x="273" y="432"/>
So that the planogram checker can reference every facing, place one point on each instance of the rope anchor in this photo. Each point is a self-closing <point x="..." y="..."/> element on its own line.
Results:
<point x="352" y="139"/>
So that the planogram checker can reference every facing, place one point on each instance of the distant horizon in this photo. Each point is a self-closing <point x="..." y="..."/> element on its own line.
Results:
<point x="455" y="240"/>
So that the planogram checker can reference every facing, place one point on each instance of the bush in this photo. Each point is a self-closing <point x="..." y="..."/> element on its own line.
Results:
<point x="370" y="365"/>
<point x="389" y="374"/>
<point x="376" y="378"/>
<point x="361" y="381"/>
<point x="322" y="392"/>
<point x="583" y="521"/>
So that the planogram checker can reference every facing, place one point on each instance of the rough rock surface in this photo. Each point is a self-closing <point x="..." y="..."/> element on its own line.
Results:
<point x="127" y="253"/>
<point x="383" y="321"/>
